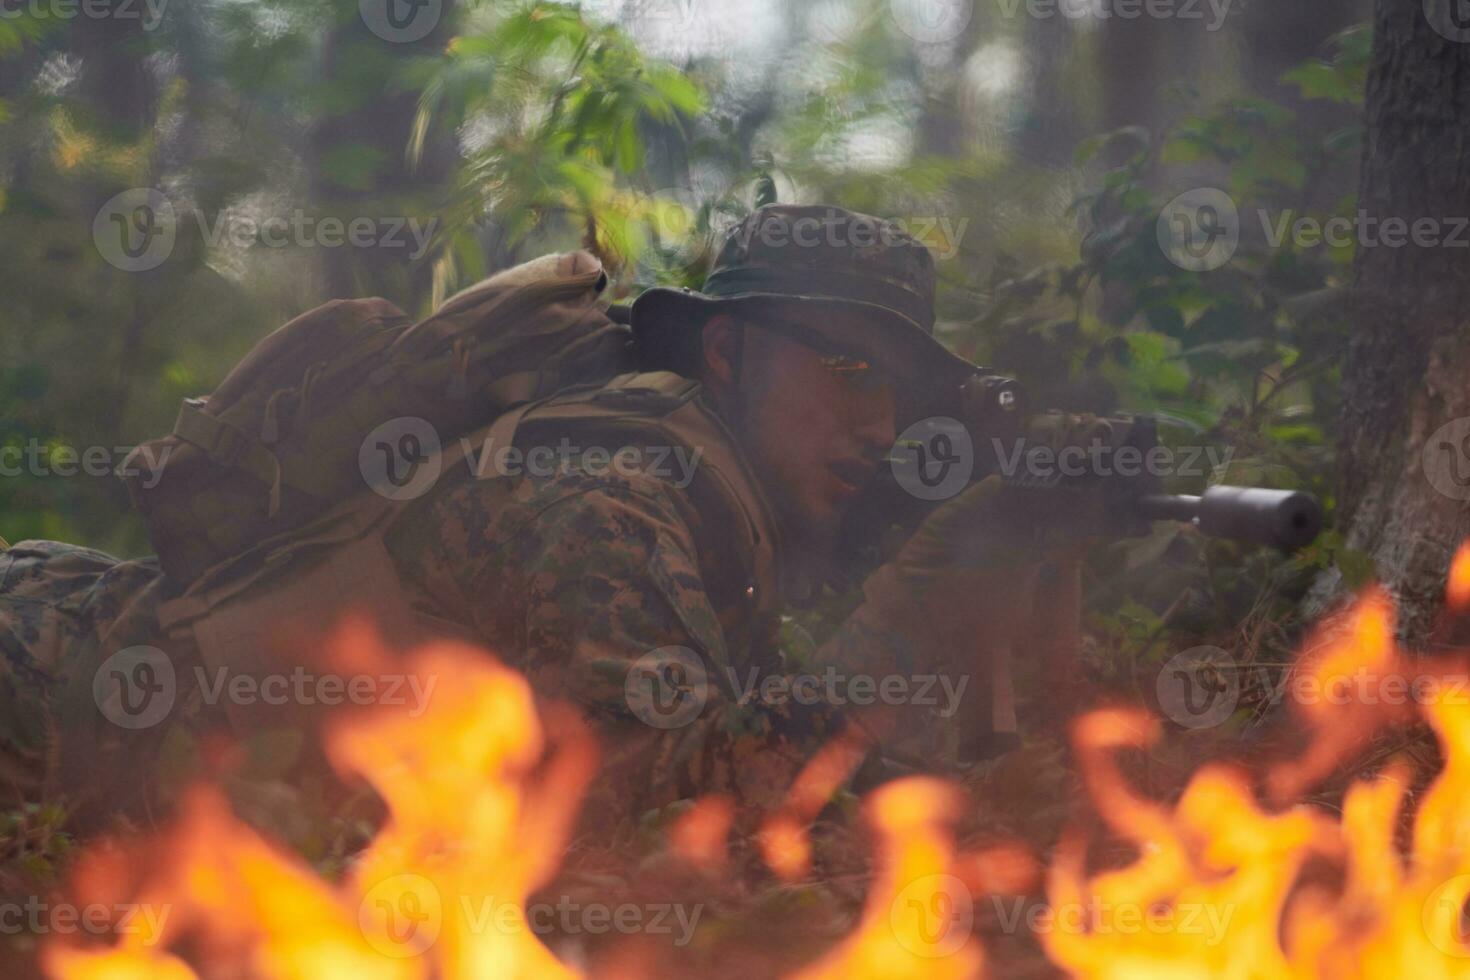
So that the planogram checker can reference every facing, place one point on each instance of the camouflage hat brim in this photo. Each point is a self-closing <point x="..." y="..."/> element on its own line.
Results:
<point x="885" y="336"/>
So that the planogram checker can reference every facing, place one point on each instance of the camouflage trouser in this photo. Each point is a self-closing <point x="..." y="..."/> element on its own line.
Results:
<point x="63" y="611"/>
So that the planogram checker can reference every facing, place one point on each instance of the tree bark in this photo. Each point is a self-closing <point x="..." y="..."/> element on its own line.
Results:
<point x="1407" y="373"/>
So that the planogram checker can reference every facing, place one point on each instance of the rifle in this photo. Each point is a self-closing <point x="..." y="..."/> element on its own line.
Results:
<point x="984" y="428"/>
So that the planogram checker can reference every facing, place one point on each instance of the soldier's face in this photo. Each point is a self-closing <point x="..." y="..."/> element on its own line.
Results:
<point x="815" y="427"/>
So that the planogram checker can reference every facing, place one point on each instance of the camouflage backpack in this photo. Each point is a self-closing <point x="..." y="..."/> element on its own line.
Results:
<point x="285" y="437"/>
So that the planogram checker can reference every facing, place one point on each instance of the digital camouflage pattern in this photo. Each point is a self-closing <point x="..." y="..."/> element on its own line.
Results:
<point x="63" y="611"/>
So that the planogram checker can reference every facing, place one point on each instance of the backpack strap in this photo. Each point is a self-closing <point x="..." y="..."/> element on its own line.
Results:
<point x="230" y="447"/>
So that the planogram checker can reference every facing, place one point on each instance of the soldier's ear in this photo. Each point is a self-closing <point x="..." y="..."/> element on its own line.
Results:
<point x="722" y="342"/>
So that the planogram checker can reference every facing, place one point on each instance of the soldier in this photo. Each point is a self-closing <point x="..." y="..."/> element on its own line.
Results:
<point x="652" y="600"/>
<point x="647" y="589"/>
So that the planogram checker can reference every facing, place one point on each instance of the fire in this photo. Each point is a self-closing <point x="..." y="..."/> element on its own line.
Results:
<point x="1222" y="887"/>
<point x="1457" y="588"/>
<point x="1235" y="879"/>
<point x="918" y="919"/>
<point x="467" y="819"/>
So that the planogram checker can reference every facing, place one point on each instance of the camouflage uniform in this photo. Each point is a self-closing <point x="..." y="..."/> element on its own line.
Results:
<point x="574" y="576"/>
<point x="63" y="610"/>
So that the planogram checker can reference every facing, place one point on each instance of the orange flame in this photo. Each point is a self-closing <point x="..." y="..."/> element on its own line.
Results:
<point x="1221" y="887"/>
<point x="784" y="842"/>
<point x="1457" y="588"/>
<point x="467" y="823"/>
<point x="1217" y="884"/>
<point x="918" y="918"/>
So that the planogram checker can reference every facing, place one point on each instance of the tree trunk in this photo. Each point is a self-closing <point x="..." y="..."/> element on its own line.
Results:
<point x="378" y="121"/>
<point x="1406" y="380"/>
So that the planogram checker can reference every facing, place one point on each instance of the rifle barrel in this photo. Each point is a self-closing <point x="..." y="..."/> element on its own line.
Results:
<point x="1286" y="519"/>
